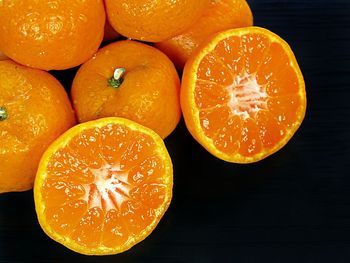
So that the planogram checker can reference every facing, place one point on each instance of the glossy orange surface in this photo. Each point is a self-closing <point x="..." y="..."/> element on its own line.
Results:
<point x="153" y="21"/>
<point x="243" y="95"/>
<point x="37" y="112"/>
<point x="149" y="93"/>
<point x="218" y="16"/>
<point x="51" y="34"/>
<point x="103" y="186"/>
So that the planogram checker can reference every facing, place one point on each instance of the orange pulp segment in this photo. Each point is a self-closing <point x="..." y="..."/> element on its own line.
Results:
<point x="103" y="186"/>
<point x="243" y="94"/>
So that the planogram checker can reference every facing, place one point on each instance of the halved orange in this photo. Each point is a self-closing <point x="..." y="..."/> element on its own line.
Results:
<point x="103" y="186"/>
<point x="243" y="94"/>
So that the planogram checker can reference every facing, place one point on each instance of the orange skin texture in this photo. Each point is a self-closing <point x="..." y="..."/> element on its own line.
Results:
<point x="219" y="16"/>
<point x="153" y="21"/>
<point x="51" y="34"/>
<point x="149" y="94"/>
<point x="38" y="112"/>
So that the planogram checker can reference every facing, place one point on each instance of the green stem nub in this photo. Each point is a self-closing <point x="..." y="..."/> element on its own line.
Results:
<point x="3" y="114"/>
<point x="117" y="78"/>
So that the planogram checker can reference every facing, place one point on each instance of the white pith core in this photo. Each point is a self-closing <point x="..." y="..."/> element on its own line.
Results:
<point x="109" y="189"/>
<point x="247" y="97"/>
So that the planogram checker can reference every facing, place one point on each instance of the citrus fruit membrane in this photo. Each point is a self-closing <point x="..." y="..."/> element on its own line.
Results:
<point x="243" y="94"/>
<point x="103" y="186"/>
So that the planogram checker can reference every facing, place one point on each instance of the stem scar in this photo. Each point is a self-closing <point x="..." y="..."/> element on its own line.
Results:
<point x="117" y="79"/>
<point x="3" y="113"/>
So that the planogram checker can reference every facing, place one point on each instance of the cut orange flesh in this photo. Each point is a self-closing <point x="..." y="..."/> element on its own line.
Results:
<point x="243" y="94"/>
<point x="103" y="186"/>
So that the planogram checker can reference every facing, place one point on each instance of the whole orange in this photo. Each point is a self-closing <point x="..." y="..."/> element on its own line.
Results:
<point x="153" y="21"/>
<point x="219" y="16"/>
<point x="51" y="34"/>
<point x="131" y="80"/>
<point x="34" y="111"/>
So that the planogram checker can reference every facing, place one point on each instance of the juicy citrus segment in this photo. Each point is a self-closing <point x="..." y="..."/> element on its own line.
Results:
<point x="274" y="62"/>
<point x="282" y="83"/>
<point x="88" y="231"/>
<point x="148" y="171"/>
<point x="209" y="94"/>
<point x="284" y="109"/>
<point x="250" y="143"/>
<point x="254" y="48"/>
<point x="243" y="95"/>
<point x="67" y="166"/>
<point x="103" y="186"/>
<point x="228" y="51"/>
<point x="65" y="217"/>
<point x="114" y="232"/>
<point x="269" y="136"/>
<point x="56" y="192"/>
<point x="227" y="138"/>
<point x="211" y="70"/>
<point x="212" y="119"/>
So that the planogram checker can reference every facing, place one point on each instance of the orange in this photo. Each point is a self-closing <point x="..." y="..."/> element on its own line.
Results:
<point x="153" y="21"/>
<point x="131" y="80"/>
<point x="243" y="94"/>
<point x="34" y="111"/>
<point x="51" y="34"/>
<point x="220" y="15"/>
<point x="103" y="186"/>
<point x="110" y="34"/>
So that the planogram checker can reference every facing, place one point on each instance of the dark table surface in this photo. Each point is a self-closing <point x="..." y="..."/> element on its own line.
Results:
<point x="291" y="207"/>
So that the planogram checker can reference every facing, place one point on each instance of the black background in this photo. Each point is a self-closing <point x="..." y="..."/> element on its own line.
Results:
<point x="291" y="207"/>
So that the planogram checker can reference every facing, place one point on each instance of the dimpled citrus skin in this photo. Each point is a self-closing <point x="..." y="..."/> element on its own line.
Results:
<point x="153" y="20"/>
<point x="51" y="34"/>
<point x="220" y="15"/>
<point x="38" y="112"/>
<point x="149" y="94"/>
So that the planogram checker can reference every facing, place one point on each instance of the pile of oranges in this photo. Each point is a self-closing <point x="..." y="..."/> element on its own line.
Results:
<point x="103" y="185"/>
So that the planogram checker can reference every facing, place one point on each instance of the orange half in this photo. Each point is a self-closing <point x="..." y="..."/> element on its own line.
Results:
<point x="103" y="186"/>
<point x="243" y="94"/>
